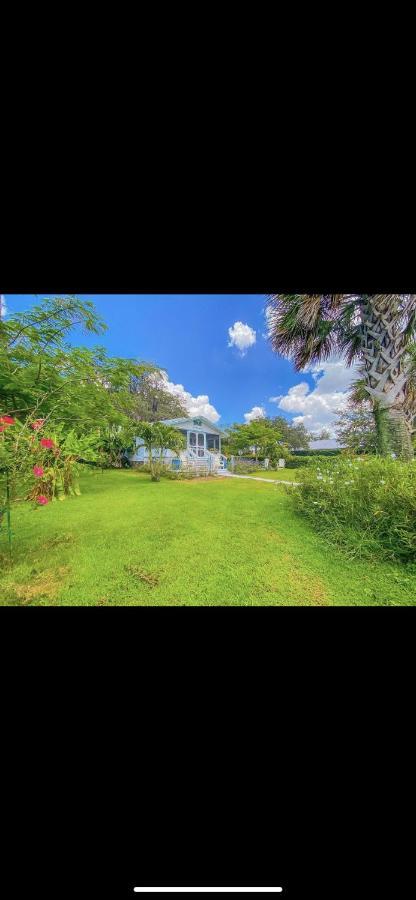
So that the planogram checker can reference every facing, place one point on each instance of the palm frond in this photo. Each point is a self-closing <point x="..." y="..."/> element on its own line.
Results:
<point x="304" y="326"/>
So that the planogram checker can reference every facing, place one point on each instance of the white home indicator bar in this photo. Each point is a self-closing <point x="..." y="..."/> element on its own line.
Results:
<point x="208" y="890"/>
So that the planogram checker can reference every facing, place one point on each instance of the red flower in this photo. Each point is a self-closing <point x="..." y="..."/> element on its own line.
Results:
<point x="2" y="427"/>
<point x="8" y="420"/>
<point x="38" y="471"/>
<point x="47" y="442"/>
<point x="42" y="499"/>
<point x="38" y="424"/>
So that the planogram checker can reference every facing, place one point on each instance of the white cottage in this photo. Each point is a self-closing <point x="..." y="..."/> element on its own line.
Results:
<point x="203" y="446"/>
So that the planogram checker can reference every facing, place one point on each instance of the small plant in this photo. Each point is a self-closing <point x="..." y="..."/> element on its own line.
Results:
<point x="244" y="467"/>
<point x="157" y="438"/>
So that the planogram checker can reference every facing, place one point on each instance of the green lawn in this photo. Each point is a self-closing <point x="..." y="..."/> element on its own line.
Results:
<point x="129" y="541"/>
<point x="275" y="474"/>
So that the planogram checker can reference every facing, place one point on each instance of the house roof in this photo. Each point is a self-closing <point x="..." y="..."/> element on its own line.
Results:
<point x="329" y="444"/>
<point x="189" y="422"/>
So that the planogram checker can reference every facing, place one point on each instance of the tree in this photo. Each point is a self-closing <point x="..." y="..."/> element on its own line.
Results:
<point x="375" y="330"/>
<point x="159" y="437"/>
<point x="81" y="389"/>
<point x="322" y="435"/>
<point x="355" y="427"/>
<point x="258" y="438"/>
<point x="295" y="436"/>
<point x="152" y="400"/>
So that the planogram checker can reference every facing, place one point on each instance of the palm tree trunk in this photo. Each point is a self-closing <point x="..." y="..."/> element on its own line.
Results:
<point x="393" y="433"/>
<point x="150" y="451"/>
<point x="385" y="369"/>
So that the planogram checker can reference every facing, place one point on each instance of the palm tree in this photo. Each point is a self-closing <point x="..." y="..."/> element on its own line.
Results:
<point x="157" y="436"/>
<point x="375" y="330"/>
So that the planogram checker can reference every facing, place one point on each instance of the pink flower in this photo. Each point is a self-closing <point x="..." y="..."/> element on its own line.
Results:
<point x="47" y="442"/>
<point x="38" y="471"/>
<point x="42" y="499"/>
<point x="38" y="424"/>
<point x="8" y="420"/>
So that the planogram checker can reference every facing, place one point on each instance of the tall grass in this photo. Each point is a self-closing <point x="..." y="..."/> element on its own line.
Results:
<point x="365" y="504"/>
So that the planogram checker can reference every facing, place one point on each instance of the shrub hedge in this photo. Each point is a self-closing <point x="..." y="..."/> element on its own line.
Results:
<point x="333" y="452"/>
<point x="244" y="467"/>
<point x="365" y="504"/>
<point x="298" y="462"/>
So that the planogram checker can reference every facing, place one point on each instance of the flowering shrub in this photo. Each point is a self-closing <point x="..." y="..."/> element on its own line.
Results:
<point x="7" y="420"/>
<point x="42" y="467"/>
<point x="365" y="504"/>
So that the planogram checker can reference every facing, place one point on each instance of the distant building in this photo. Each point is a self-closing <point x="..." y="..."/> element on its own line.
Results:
<point x="329" y="444"/>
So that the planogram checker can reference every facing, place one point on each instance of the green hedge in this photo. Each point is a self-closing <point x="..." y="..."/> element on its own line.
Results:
<point x="334" y="452"/>
<point x="298" y="463"/>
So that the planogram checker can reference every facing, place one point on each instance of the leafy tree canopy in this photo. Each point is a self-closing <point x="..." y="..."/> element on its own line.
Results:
<point x="295" y="436"/>
<point x="356" y="429"/>
<point x="257" y="438"/>
<point x="152" y="400"/>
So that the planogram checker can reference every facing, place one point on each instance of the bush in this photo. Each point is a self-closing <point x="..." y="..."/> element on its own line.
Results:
<point x="298" y="462"/>
<point x="366" y="504"/>
<point x="333" y="452"/>
<point x="244" y="467"/>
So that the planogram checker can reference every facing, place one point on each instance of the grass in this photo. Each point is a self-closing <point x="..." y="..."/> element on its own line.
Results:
<point x="275" y="474"/>
<point x="128" y="541"/>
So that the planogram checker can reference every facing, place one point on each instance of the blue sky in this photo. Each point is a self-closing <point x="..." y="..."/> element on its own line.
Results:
<point x="188" y="336"/>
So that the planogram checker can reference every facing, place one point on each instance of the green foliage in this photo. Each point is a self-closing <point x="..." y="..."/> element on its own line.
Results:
<point x="151" y="401"/>
<point x="365" y="504"/>
<point x="295" y="436"/>
<point x="311" y="453"/>
<point x="258" y="438"/>
<point x="322" y="435"/>
<point x="356" y="427"/>
<point x="41" y="375"/>
<point x="244" y="467"/>
<point x="37" y="471"/>
<point x="298" y="462"/>
<point x="157" y="438"/>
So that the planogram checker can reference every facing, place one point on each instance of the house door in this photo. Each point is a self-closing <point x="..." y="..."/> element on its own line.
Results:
<point x="197" y="442"/>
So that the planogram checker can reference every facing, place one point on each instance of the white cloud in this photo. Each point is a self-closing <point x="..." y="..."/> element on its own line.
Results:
<point x="196" y="406"/>
<point x="241" y="336"/>
<point x="3" y="307"/>
<point x="318" y="408"/>
<point x="258" y="412"/>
